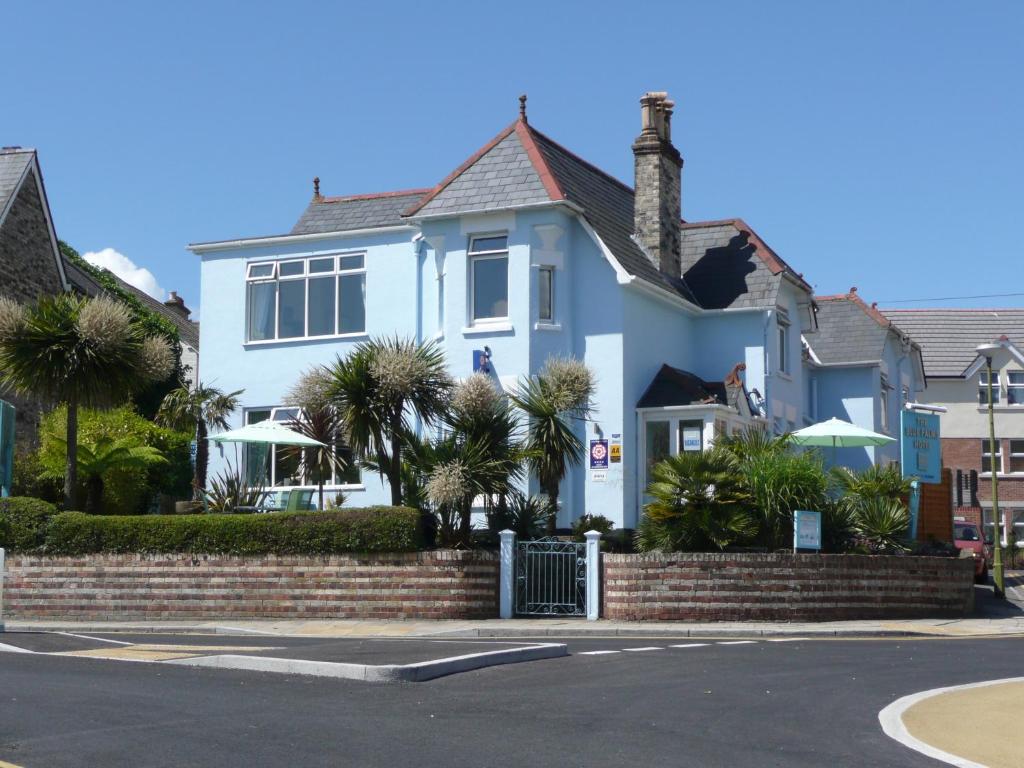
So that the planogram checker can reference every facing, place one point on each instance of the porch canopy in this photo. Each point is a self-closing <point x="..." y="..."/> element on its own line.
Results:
<point x="268" y="432"/>
<point x="838" y="434"/>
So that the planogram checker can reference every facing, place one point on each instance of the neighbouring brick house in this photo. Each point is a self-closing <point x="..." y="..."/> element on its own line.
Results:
<point x="30" y="261"/>
<point x="957" y="379"/>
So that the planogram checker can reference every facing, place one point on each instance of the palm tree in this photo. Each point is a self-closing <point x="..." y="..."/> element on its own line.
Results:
<point x="319" y="420"/>
<point x="198" y="410"/>
<point x="699" y="502"/>
<point x="561" y="393"/>
<point x="83" y="352"/>
<point x="378" y="389"/>
<point x="96" y="459"/>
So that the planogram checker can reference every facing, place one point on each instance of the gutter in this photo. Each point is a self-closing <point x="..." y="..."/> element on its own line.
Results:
<point x="504" y="209"/>
<point x="227" y="245"/>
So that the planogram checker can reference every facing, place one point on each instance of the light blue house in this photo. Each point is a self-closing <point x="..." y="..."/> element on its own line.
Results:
<point x="524" y="252"/>
<point x="863" y="369"/>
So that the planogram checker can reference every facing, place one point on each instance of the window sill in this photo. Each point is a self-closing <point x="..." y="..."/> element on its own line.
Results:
<point x="485" y="328"/>
<point x="361" y="336"/>
<point x="545" y="326"/>
<point x="1002" y="408"/>
<point x="784" y="376"/>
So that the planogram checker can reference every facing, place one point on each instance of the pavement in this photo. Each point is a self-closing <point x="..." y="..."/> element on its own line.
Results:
<point x="785" y="701"/>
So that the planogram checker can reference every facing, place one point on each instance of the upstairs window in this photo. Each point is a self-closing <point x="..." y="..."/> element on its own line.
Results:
<point x="885" y="407"/>
<point x="546" y="294"/>
<point x="983" y="387"/>
<point x="316" y="297"/>
<point x="1015" y="387"/>
<point x="987" y="460"/>
<point x="488" y="263"/>
<point x="783" y="346"/>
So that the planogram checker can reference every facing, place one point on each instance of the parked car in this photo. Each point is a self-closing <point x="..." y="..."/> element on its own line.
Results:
<point x="969" y="541"/>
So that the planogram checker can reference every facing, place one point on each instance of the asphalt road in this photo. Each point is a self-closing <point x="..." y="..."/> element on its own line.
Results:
<point x="805" y="703"/>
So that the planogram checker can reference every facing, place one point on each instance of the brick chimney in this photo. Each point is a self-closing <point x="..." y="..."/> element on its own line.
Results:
<point x="657" y="208"/>
<point x="177" y="303"/>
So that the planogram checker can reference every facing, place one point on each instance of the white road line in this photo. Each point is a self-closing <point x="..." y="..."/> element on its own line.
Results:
<point x="735" y="642"/>
<point x="891" y="719"/>
<point x="646" y="648"/>
<point x="14" y="649"/>
<point x="689" y="645"/>
<point x="595" y="653"/>
<point x="97" y="639"/>
<point x="785" y="639"/>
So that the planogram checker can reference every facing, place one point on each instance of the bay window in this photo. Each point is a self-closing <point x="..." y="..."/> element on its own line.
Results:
<point x="317" y="297"/>
<point x="488" y="264"/>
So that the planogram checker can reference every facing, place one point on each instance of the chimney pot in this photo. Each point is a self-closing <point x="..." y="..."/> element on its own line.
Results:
<point x="657" y="206"/>
<point x="175" y="302"/>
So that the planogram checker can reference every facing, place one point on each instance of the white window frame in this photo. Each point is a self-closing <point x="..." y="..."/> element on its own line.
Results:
<point x="1016" y="452"/>
<point x="278" y="413"/>
<point x="783" y="341"/>
<point x="986" y="446"/>
<point x="983" y="387"/>
<point x="473" y="256"/>
<point x="1015" y="387"/>
<point x="546" y="272"/>
<point x="338" y="271"/>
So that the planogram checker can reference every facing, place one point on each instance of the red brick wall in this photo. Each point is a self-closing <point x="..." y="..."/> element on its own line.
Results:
<point x="784" y="587"/>
<point x="965" y="453"/>
<point x="416" y="585"/>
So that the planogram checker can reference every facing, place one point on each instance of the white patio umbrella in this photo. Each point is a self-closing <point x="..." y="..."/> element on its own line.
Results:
<point x="838" y="434"/>
<point x="269" y="432"/>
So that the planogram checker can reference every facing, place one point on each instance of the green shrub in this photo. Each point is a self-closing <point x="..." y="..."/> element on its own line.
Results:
<point x="26" y="521"/>
<point x="126" y="491"/>
<point x="585" y="523"/>
<point x="526" y="515"/>
<point x="371" y="529"/>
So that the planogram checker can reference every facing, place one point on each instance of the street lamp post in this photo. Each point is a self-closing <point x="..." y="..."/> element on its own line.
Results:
<point x="987" y="350"/>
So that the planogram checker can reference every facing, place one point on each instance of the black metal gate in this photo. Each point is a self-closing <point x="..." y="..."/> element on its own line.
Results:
<point x="551" y="578"/>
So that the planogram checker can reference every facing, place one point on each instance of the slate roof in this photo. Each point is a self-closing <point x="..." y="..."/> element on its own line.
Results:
<point x="725" y="263"/>
<point x="672" y="386"/>
<point x="338" y="214"/>
<point x="850" y="331"/>
<point x="948" y="336"/>
<point x="13" y="163"/>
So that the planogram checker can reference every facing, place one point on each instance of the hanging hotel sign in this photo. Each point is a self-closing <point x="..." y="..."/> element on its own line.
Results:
<point x="599" y="454"/>
<point x="920" y="451"/>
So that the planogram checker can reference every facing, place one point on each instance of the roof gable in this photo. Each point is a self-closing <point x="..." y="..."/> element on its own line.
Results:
<point x="17" y="167"/>
<point x="506" y="172"/>
<point x="849" y="331"/>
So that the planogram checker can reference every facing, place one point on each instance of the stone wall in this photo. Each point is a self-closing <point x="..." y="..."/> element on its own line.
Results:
<point x="784" y="587"/>
<point x="28" y="269"/>
<point x="416" y="585"/>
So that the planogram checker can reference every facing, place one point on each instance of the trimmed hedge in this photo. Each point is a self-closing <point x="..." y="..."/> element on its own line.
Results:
<point x="23" y="523"/>
<point x="369" y="529"/>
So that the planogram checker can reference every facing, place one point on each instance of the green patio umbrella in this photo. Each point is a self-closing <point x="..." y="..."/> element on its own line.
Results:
<point x="838" y="434"/>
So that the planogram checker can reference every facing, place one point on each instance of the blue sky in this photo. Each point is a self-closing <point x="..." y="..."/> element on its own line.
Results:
<point x="875" y="144"/>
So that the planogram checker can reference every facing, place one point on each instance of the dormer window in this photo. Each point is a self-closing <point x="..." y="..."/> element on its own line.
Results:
<point x="488" y="267"/>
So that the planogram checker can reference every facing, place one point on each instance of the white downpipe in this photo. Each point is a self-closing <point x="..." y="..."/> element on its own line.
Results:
<point x="508" y="540"/>
<point x="593" y="574"/>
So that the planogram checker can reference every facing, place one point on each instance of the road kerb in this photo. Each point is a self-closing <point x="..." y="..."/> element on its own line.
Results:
<point x="891" y="720"/>
<point x="379" y="673"/>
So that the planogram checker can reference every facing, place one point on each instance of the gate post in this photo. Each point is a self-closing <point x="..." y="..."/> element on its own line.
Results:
<point x="508" y="539"/>
<point x="593" y="574"/>
<point x="1" y="589"/>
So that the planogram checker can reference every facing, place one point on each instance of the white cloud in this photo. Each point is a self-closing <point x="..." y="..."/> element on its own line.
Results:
<point x="127" y="270"/>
